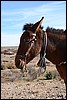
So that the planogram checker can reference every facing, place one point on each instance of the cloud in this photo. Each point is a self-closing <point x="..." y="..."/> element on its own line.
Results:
<point x="25" y="14"/>
<point x="12" y="21"/>
<point x="21" y="14"/>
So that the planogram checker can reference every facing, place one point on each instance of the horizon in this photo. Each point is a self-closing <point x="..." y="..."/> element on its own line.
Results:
<point x="15" y="14"/>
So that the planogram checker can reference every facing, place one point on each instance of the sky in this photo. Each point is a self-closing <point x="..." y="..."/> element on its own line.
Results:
<point x="15" y="14"/>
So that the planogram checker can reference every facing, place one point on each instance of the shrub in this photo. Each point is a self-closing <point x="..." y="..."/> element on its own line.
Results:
<point x="49" y="75"/>
<point x="3" y="67"/>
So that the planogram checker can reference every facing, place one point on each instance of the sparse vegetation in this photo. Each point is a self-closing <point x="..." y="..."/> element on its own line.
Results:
<point x="49" y="75"/>
<point x="3" y="66"/>
<point x="30" y="84"/>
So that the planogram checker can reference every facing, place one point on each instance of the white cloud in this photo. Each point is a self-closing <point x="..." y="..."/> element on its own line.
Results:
<point x="25" y="14"/>
<point x="22" y="14"/>
<point x="13" y="21"/>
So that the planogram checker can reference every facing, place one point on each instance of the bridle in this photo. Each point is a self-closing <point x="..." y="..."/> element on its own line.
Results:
<point x="42" y="52"/>
<point x="32" y="43"/>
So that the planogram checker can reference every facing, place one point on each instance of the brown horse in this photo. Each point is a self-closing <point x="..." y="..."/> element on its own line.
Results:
<point x="31" y="45"/>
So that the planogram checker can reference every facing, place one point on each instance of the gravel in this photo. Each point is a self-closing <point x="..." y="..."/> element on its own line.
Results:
<point x="30" y="89"/>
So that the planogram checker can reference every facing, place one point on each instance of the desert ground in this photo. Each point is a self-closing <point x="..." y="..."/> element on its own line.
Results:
<point x="16" y="84"/>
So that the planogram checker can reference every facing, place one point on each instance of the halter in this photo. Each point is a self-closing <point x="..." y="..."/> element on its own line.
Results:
<point x="41" y="62"/>
<point x="25" y="56"/>
<point x="32" y="43"/>
<point x="42" y="52"/>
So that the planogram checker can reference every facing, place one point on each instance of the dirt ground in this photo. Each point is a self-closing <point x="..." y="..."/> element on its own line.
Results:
<point x="31" y="84"/>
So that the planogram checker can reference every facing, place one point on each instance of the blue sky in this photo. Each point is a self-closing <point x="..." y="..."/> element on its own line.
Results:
<point x="14" y="14"/>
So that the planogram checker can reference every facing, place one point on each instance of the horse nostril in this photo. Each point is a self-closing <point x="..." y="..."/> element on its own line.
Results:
<point x="20" y="64"/>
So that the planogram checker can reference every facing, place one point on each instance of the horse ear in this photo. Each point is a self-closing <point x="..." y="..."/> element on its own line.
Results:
<point x="36" y="26"/>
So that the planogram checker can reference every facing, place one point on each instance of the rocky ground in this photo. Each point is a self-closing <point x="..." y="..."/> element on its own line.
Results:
<point x="31" y="84"/>
<point x="41" y="89"/>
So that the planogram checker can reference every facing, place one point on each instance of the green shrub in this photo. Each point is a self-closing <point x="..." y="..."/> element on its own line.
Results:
<point x="49" y="75"/>
<point x="2" y="67"/>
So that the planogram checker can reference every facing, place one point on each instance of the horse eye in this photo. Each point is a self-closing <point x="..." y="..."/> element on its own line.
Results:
<point x="26" y="40"/>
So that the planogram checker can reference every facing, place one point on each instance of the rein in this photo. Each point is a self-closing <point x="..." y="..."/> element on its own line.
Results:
<point x="42" y="62"/>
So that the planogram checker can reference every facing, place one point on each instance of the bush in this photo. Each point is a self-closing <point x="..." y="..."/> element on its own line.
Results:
<point x="49" y="75"/>
<point x="3" y="67"/>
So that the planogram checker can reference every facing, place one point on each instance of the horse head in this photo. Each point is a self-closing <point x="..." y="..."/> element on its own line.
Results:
<point x="30" y="43"/>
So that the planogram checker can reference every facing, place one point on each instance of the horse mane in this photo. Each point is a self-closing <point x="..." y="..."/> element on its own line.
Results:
<point x="48" y="29"/>
<point x="56" y="31"/>
<point x="28" y="26"/>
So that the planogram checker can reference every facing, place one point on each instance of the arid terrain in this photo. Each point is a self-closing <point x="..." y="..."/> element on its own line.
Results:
<point x="31" y="84"/>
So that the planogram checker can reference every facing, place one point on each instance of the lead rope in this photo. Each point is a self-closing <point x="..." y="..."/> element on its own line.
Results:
<point x="42" y="62"/>
<point x="25" y="64"/>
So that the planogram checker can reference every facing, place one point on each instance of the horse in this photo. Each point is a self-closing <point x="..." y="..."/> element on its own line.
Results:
<point x="31" y="44"/>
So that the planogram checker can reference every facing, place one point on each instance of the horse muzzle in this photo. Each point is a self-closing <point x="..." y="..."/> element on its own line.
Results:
<point x="19" y="62"/>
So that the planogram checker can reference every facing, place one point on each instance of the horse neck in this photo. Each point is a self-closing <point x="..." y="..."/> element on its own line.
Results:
<point x="52" y="53"/>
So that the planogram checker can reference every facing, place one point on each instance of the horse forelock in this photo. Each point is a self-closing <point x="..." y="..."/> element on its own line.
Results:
<point x="29" y="26"/>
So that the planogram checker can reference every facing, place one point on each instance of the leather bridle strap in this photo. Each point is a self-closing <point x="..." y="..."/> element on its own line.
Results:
<point x="29" y="49"/>
<point x="32" y="43"/>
